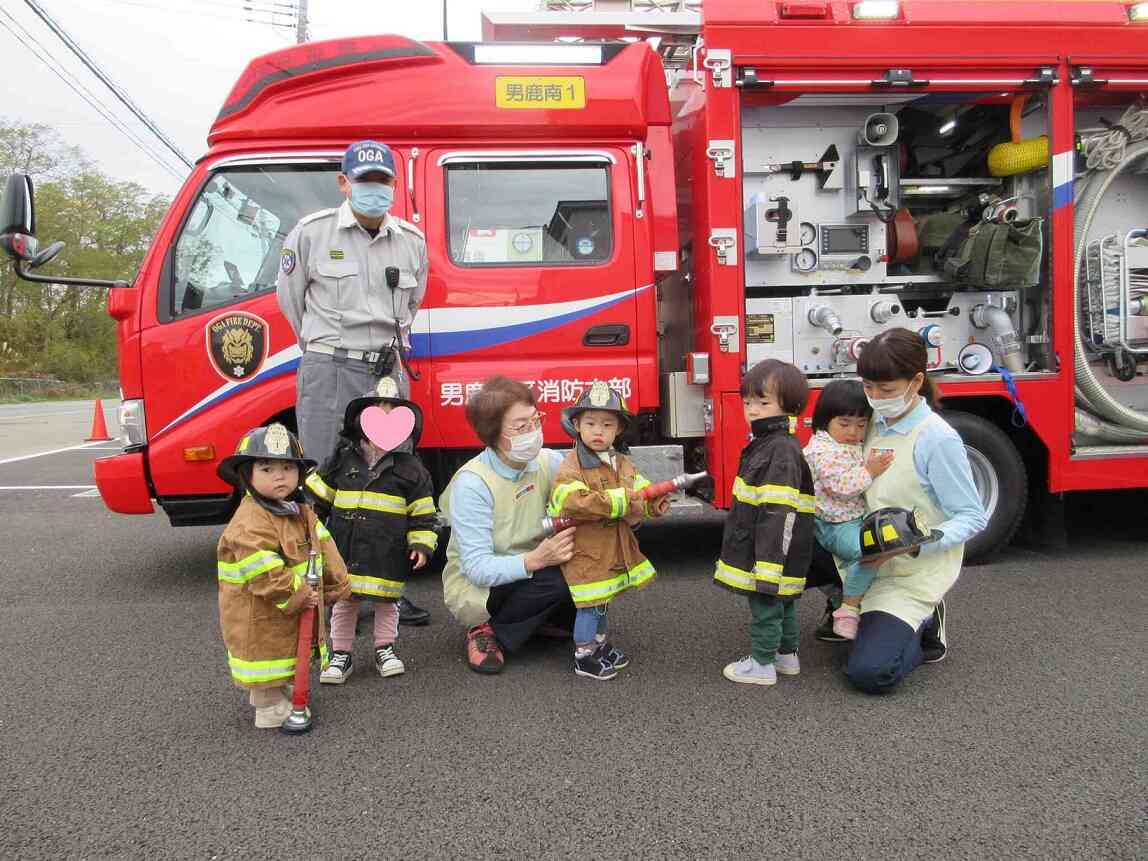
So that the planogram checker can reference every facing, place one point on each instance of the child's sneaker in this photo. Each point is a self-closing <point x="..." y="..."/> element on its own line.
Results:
<point x="618" y="659"/>
<point x="845" y="622"/>
<point x="595" y="665"/>
<point x="387" y="662"/>
<point x="747" y="671"/>
<point x="272" y="716"/>
<point x="787" y="665"/>
<point x="338" y="670"/>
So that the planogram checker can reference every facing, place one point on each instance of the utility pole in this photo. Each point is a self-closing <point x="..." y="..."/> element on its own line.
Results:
<point x="444" y="31"/>
<point x="301" y="23"/>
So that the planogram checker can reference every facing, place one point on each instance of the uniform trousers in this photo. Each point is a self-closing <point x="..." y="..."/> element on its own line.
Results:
<point x="324" y="385"/>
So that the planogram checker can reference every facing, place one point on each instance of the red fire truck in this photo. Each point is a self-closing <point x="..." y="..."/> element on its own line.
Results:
<point x="792" y="179"/>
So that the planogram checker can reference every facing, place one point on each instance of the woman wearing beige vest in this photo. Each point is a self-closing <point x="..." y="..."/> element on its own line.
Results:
<point x="930" y="474"/>
<point x="501" y="579"/>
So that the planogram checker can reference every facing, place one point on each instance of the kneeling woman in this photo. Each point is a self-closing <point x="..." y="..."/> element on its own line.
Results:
<point x="930" y="474"/>
<point x="501" y="578"/>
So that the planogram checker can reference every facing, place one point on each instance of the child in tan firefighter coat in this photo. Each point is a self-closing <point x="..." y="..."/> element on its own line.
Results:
<point x="598" y="485"/>
<point x="263" y="557"/>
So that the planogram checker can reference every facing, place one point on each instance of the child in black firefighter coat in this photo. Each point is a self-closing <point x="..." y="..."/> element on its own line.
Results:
<point x="767" y="543"/>
<point x="379" y="506"/>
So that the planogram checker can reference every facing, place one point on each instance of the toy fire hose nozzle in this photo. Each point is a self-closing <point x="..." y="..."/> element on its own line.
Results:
<point x="679" y="482"/>
<point x="299" y="721"/>
<point x="554" y="525"/>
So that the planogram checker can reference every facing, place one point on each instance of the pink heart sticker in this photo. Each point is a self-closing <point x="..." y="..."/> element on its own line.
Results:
<point x="387" y="430"/>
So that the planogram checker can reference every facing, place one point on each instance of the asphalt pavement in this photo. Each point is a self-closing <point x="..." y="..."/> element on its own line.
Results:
<point x="122" y="737"/>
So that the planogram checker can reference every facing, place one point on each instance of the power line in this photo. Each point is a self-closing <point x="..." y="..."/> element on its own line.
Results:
<point x="80" y="90"/>
<point x="111" y="85"/>
<point x="216" y="16"/>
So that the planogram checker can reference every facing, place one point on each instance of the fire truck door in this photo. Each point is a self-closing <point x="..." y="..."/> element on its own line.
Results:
<point x="532" y="275"/>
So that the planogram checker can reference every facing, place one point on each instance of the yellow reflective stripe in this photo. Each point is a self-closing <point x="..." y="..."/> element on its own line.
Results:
<point x="376" y="587"/>
<point x="319" y="487"/>
<point x="641" y="482"/>
<point x="619" y="502"/>
<point x="763" y="572"/>
<point x="421" y="507"/>
<point x="775" y="494"/>
<point x="249" y="567"/>
<point x="253" y="672"/>
<point x="424" y="537"/>
<point x="322" y="531"/>
<point x="558" y="497"/>
<point x="604" y="590"/>
<point x="296" y="582"/>
<point x="370" y="500"/>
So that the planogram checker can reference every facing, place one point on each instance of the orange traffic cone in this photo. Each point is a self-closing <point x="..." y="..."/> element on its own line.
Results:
<point x="99" y="427"/>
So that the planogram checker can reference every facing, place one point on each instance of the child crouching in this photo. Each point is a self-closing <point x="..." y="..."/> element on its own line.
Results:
<point x="262" y="559"/>
<point x="598" y="484"/>
<point x="378" y="503"/>
<point x="767" y="543"/>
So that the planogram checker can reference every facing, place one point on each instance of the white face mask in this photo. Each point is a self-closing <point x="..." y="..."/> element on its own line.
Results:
<point x="891" y="408"/>
<point x="525" y="447"/>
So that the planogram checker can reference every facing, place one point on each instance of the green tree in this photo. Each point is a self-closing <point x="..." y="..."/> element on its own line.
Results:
<point x="106" y="226"/>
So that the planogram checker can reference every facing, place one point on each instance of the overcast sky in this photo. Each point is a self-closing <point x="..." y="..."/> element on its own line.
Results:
<point x="177" y="60"/>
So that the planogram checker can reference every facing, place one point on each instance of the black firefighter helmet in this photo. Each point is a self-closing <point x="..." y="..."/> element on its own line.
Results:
<point x="889" y="532"/>
<point x="273" y="442"/>
<point x="598" y="397"/>
<point x="386" y="392"/>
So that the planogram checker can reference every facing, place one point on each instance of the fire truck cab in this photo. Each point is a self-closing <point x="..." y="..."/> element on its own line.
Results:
<point x="542" y="177"/>
<point x="973" y="171"/>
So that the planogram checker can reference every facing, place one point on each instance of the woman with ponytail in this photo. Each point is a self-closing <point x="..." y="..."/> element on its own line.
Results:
<point x="903" y="613"/>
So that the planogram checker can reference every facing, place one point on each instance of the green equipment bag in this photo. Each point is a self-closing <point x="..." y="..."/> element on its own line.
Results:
<point x="987" y="254"/>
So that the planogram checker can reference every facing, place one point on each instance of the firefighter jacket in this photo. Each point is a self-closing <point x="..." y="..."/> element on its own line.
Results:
<point x="767" y="543"/>
<point x="606" y="559"/>
<point x="377" y="515"/>
<point x="262" y="561"/>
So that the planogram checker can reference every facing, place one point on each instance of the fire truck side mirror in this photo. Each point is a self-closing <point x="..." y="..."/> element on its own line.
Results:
<point x="18" y="218"/>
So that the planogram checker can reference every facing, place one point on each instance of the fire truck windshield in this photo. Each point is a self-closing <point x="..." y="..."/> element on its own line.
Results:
<point x="229" y="244"/>
<point x="531" y="213"/>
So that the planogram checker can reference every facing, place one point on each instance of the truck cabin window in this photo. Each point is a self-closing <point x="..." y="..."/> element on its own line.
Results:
<point x="228" y="248"/>
<point x="530" y="214"/>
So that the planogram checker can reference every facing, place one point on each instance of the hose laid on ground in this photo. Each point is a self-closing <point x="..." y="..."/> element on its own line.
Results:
<point x="1092" y="428"/>
<point x="1089" y="389"/>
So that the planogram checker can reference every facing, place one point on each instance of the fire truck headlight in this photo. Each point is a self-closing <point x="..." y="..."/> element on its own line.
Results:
<point x="133" y="428"/>
<point x="1138" y="14"/>
<point x="874" y="10"/>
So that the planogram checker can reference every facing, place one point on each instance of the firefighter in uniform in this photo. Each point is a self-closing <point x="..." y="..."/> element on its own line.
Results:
<point x="350" y="283"/>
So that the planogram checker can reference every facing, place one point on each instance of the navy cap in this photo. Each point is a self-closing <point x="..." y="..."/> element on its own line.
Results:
<point x="367" y="156"/>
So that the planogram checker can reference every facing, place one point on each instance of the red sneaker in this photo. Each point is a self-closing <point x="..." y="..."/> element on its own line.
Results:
<point x="482" y="652"/>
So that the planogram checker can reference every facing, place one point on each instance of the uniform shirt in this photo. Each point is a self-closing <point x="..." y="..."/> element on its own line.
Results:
<point x="332" y="284"/>
<point x="942" y="466"/>
<point x="840" y="478"/>
<point x="472" y="519"/>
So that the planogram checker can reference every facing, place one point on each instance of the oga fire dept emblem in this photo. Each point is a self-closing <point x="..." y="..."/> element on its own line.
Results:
<point x="237" y="344"/>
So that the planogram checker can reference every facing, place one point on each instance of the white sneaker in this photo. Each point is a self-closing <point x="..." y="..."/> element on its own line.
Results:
<point x="747" y="671"/>
<point x="339" y="669"/>
<point x="787" y="665"/>
<point x="388" y="663"/>
<point x="270" y="717"/>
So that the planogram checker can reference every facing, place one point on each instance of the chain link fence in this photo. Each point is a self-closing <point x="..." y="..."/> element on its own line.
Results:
<point x="48" y="389"/>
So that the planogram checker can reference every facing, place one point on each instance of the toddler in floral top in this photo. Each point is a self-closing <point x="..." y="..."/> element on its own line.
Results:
<point x="841" y="475"/>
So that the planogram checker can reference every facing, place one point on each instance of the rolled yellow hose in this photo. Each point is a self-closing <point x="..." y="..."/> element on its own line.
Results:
<point x="1009" y="159"/>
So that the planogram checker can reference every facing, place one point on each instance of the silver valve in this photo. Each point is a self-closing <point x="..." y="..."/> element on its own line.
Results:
<point x="824" y="317"/>
<point x="883" y="311"/>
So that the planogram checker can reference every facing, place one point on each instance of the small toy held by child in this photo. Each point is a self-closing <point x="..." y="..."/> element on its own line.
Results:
<point x="263" y="555"/>
<point x="841" y="475"/>
<point x="767" y="543"/>
<point x="378" y="502"/>
<point x="599" y="485"/>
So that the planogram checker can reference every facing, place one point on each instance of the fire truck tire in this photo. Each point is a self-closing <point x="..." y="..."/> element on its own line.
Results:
<point x="1001" y="479"/>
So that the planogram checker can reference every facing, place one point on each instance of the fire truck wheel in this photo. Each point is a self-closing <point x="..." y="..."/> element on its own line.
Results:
<point x="1001" y="480"/>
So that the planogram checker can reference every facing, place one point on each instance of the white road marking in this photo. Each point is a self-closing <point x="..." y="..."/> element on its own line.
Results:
<point x="46" y="486"/>
<point x="53" y="451"/>
<point x="86" y="493"/>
